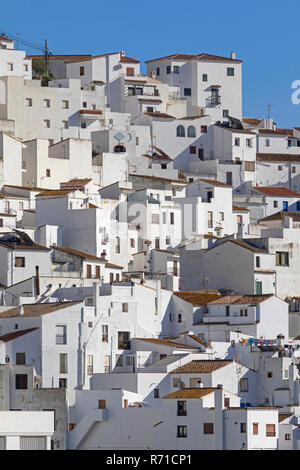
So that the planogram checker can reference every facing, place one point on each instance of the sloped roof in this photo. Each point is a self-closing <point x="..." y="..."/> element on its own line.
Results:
<point x="16" y="334"/>
<point x="37" y="310"/>
<point x="76" y="183"/>
<point x="166" y="342"/>
<point x="202" y="366"/>
<point x="197" y="298"/>
<point x="280" y="216"/>
<point x="276" y="191"/>
<point x="242" y="299"/>
<point x="215" y="182"/>
<point x="190" y="393"/>
<point x="239" y="209"/>
<point x="82" y="254"/>
<point x="251" y="121"/>
<point x="201" y="56"/>
<point x="277" y="157"/>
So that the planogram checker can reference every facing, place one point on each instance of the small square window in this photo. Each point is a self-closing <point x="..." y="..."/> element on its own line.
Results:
<point x="204" y="77"/>
<point x="193" y="150"/>
<point x="81" y="70"/>
<point x="187" y="92"/>
<point x="230" y="72"/>
<point x="243" y="427"/>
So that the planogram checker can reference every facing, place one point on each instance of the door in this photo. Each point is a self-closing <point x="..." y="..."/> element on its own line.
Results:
<point x="258" y="287"/>
<point x="285" y="205"/>
<point x="33" y="443"/>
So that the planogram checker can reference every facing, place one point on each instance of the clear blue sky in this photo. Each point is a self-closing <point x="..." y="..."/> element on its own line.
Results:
<point x="264" y="34"/>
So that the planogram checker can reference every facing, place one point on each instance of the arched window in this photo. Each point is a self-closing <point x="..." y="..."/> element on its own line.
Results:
<point x="119" y="148"/>
<point x="180" y="132"/>
<point x="191" y="132"/>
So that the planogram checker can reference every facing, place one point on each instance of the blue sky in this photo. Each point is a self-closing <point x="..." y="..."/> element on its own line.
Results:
<point x="264" y="34"/>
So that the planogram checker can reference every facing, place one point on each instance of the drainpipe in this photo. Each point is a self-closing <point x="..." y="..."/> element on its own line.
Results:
<point x="37" y="280"/>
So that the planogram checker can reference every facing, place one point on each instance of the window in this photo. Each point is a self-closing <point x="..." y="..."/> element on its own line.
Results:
<point x="243" y="427"/>
<point x="237" y="142"/>
<point x="203" y="129"/>
<point x="20" y="262"/>
<point x="181" y="408"/>
<point x="221" y="216"/>
<point x="298" y="205"/>
<point x="172" y="218"/>
<point x="124" y="307"/>
<point x="90" y="324"/>
<point x="270" y="430"/>
<point x="191" y="132"/>
<point x="101" y="404"/>
<point x="176" y="69"/>
<point x="97" y="272"/>
<point x="225" y="112"/>
<point x="119" y="149"/>
<point x="180" y="131"/>
<point x="119" y="360"/>
<point x="204" y="77"/>
<point x="47" y="103"/>
<point x="209" y="219"/>
<point x="118" y="247"/>
<point x="227" y="310"/>
<point x="65" y="125"/>
<point x="249" y="166"/>
<point x="249" y="143"/>
<point x="20" y="358"/>
<point x="244" y="385"/>
<point x="243" y="312"/>
<point x="255" y="428"/>
<point x="129" y="360"/>
<point x="200" y="153"/>
<point x="193" y="149"/>
<point x="1" y="222"/>
<point x="62" y="383"/>
<point x="65" y="104"/>
<point x="293" y="169"/>
<point x="163" y="166"/>
<point x="48" y="172"/>
<point x="28" y="101"/>
<point x="10" y="66"/>
<point x="258" y="287"/>
<point x="229" y="178"/>
<point x="88" y="271"/>
<point x="61" y="334"/>
<point x="90" y="364"/>
<point x="25" y="68"/>
<point x="155" y="218"/>
<point x="267" y="142"/>
<point x="230" y="72"/>
<point x="21" y="206"/>
<point x="137" y="141"/>
<point x="208" y="428"/>
<point x="226" y="402"/>
<point x="287" y="437"/>
<point x="285" y="205"/>
<point x="130" y="71"/>
<point x="181" y="431"/>
<point x="176" y="383"/>
<point x="46" y="123"/>
<point x="187" y="92"/>
<point x="157" y="243"/>
<point x="269" y="374"/>
<point x="157" y="71"/>
<point x="179" y="318"/>
<point x="168" y="69"/>
<point x="21" y="381"/>
<point x="104" y="333"/>
<point x="275" y="203"/>
<point x="156" y="393"/>
<point x="123" y="340"/>
<point x="63" y="363"/>
<point x="81" y="70"/>
<point x="282" y="258"/>
<point x="150" y="109"/>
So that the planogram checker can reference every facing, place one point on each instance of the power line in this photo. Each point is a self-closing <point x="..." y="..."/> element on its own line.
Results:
<point x="19" y="40"/>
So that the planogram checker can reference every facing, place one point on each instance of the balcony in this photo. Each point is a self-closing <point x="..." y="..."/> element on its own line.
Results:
<point x="214" y="100"/>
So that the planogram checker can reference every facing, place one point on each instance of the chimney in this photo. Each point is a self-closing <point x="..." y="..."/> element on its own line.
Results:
<point x="122" y="53"/>
<point x="153" y="74"/>
<point x="232" y="55"/>
<point x="219" y="407"/>
<point x="21" y="310"/>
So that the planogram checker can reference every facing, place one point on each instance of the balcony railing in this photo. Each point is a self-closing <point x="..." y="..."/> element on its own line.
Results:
<point x="214" y="100"/>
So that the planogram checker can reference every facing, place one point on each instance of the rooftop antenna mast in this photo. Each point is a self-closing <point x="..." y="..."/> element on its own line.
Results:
<point x="46" y="56"/>
<point x="269" y="110"/>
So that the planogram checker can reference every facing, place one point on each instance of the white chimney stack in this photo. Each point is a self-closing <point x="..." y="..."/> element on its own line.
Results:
<point x="232" y="55"/>
<point x="21" y="310"/>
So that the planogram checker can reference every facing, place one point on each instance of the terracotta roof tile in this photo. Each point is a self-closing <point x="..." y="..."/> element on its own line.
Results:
<point x="239" y="209"/>
<point x="197" y="298"/>
<point x="202" y="56"/>
<point x="76" y="183"/>
<point x="166" y="342"/>
<point x="190" y="393"/>
<point x="252" y="121"/>
<point x="202" y="366"/>
<point x="280" y="215"/>
<point x="242" y="299"/>
<point x="82" y="254"/>
<point x="276" y="191"/>
<point x="37" y="310"/>
<point x="215" y="182"/>
<point x="277" y="157"/>
<point x="16" y="334"/>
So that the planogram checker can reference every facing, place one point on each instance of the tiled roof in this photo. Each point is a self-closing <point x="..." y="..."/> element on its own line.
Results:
<point x="238" y="131"/>
<point x="276" y="191"/>
<point x="16" y="334"/>
<point x="197" y="298"/>
<point x="215" y="182"/>
<point x="166" y="342"/>
<point x="252" y="121"/>
<point x="277" y="157"/>
<point x="192" y="118"/>
<point x="158" y="178"/>
<point x="113" y="266"/>
<point x="202" y="56"/>
<point x="280" y="215"/>
<point x="83" y="59"/>
<point x="128" y="60"/>
<point x="90" y="111"/>
<point x="29" y="188"/>
<point x="76" y="183"/>
<point x="239" y="209"/>
<point x="202" y="366"/>
<point x="4" y="38"/>
<point x="242" y="299"/>
<point x="244" y="243"/>
<point x="284" y="416"/>
<point x="55" y="192"/>
<point x="160" y="115"/>
<point x="149" y="100"/>
<point x="190" y="393"/>
<point x="37" y="310"/>
<point x="82" y="254"/>
<point x="2" y="214"/>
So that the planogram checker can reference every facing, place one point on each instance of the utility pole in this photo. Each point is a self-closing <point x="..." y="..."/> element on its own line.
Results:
<point x="46" y="57"/>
